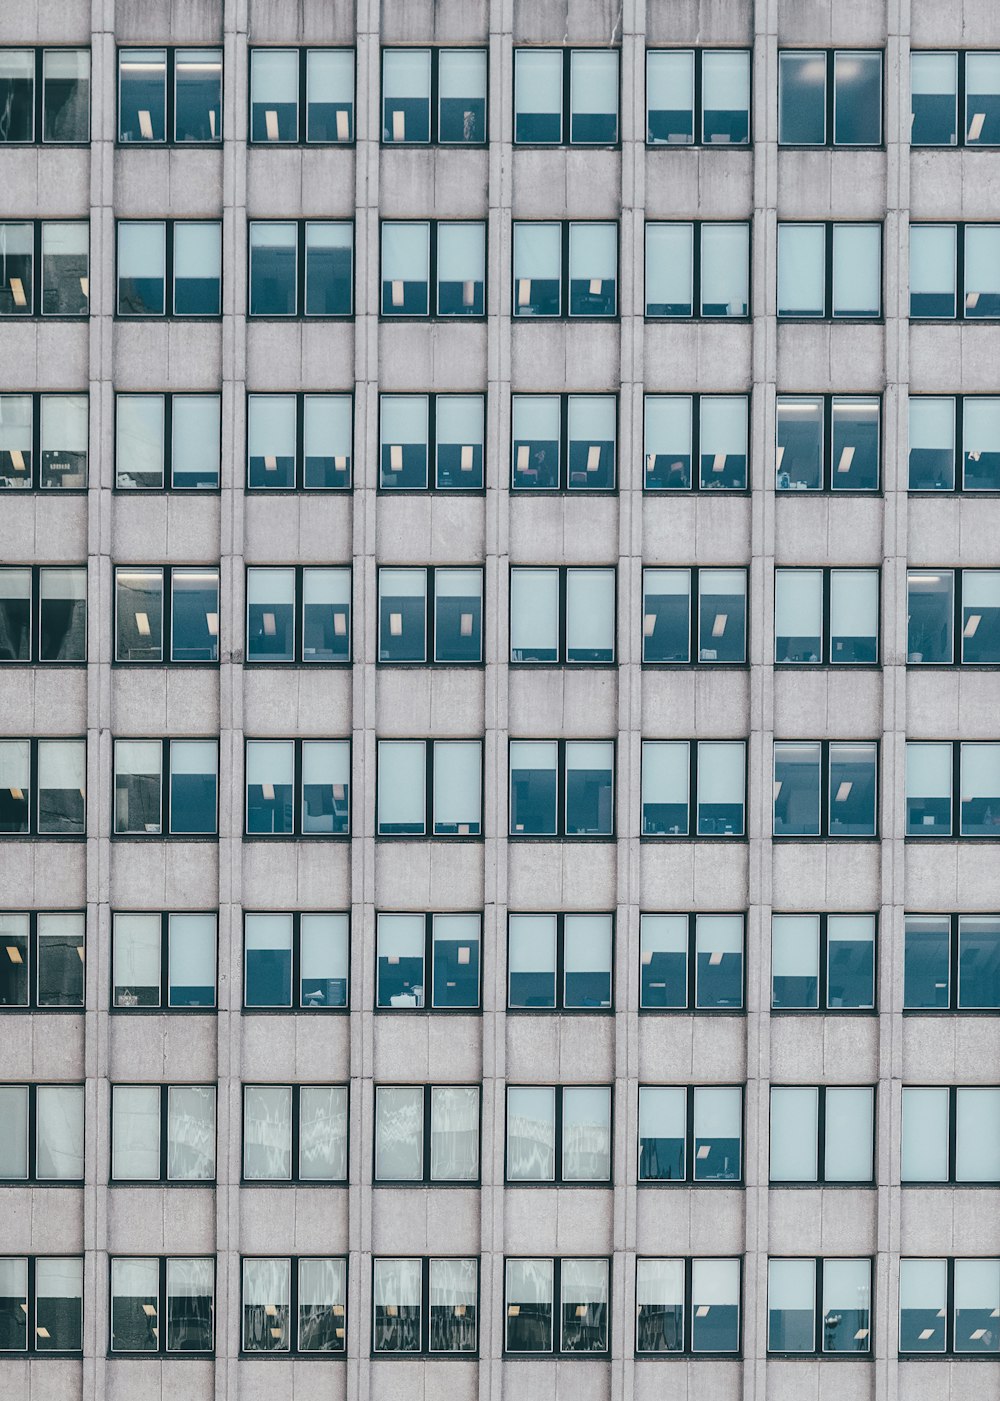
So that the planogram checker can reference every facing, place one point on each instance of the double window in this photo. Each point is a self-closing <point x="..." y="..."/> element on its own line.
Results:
<point x="301" y="267"/>
<point x="43" y="441"/>
<point x="163" y="1133"/>
<point x="294" y="1305"/>
<point x="43" y="1302"/>
<point x="935" y="772"/>
<point x="709" y="605"/>
<point x="706" y="432"/>
<point x="954" y="271"/>
<point x="822" y="1133"/>
<point x="945" y="84"/>
<point x="556" y="1305"/>
<point x="297" y="961"/>
<point x="961" y="429"/>
<point x="43" y="787"/>
<point x="45" y="268"/>
<point x="830" y="98"/>
<point x="698" y="269"/>
<point x="687" y="1306"/>
<point x="185" y="805"/>
<point x="829" y="271"/>
<point x="417" y="431"/>
<point x="827" y="442"/>
<point x="564" y="442"/>
<point x="170" y="95"/>
<point x="43" y="614"/>
<point x="302" y="95"/>
<point x="295" y="1133"/>
<point x="562" y="615"/>
<point x="562" y="788"/>
<point x="823" y="963"/>
<point x="427" y="961"/>
<point x="425" y="1306"/>
<point x="826" y="617"/>
<point x="430" y="615"/>
<point x="299" y="441"/>
<point x="698" y="97"/>
<point x="690" y="1133"/>
<point x="165" y="960"/>
<point x="949" y="1306"/>
<point x="558" y="1133"/>
<point x="560" y="962"/>
<point x="42" y="958"/>
<point x="446" y="256"/>
<point x="144" y="1288"/>
<point x="41" y="1133"/>
<point x="953" y="615"/>
<point x="565" y="269"/>
<point x="45" y="96"/>
<point x="951" y="962"/>
<point x="166" y="613"/>
<point x="298" y="787"/>
<point x="566" y="96"/>
<point x="169" y="267"/>
<point x="690" y="962"/>
<point x="168" y="441"/>
<point x="825" y="788"/>
<point x="950" y="1134"/>
<point x="708" y="775"/>
<point x="434" y="95"/>
<point x="819" y="1306"/>
<point x="431" y="787"/>
<point x="426" y="1133"/>
<point x="298" y="614"/>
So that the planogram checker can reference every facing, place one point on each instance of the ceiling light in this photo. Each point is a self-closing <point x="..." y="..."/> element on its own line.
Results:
<point x="719" y="462"/>
<point x="399" y="126"/>
<point x="777" y="789"/>
<point x="85" y="286"/>
<point x="17" y="292"/>
<point x="145" y="125"/>
<point x="523" y="457"/>
<point x="142" y="624"/>
<point x="270" y="464"/>
<point x="704" y="1151"/>
<point x="271" y="124"/>
<point x="211" y="123"/>
<point x="395" y="624"/>
<point x="464" y="954"/>
<point x="340" y="624"/>
<point x="340" y="463"/>
<point x="343" y="127"/>
<point x="593" y="457"/>
<point x="648" y="624"/>
<point x="715" y="958"/>
<point x="338" y="792"/>
<point x="338" y="1310"/>
<point x="393" y="960"/>
<point x="596" y="283"/>
<point x="468" y="292"/>
<point x="978" y="1333"/>
<point x="44" y="1332"/>
<point x="212" y="623"/>
<point x="971" y="301"/>
<point x="276" y="1333"/>
<point x="17" y="795"/>
<point x="524" y="291"/>
<point x="781" y="453"/>
<point x="17" y="459"/>
<point x="513" y="1310"/>
<point x="860" y="1335"/>
<point x="397" y="292"/>
<point x="24" y="1308"/>
<point x="925" y="578"/>
<point x="719" y="626"/>
<point x="270" y="625"/>
<point x="647" y="957"/>
<point x="581" y="1310"/>
<point x="14" y="953"/>
<point x="940" y="1313"/>
<point x="843" y="792"/>
<point x="465" y="625"/>
<point x="702" y="1310"/>
<point x="149" y="1310"/>
<point x="271" y="1310"/>
<point x="846" y="458"/>
<point x="396" y="457"/>
<point x="926" y="1333"/>
<point x="459" y="1310"/>
<point x="467" y="452"/>
<point x="976" y="126"/>
<point x="267" y="792"/>
<point x="972" y="624"/>
<point x="79" y="949"/>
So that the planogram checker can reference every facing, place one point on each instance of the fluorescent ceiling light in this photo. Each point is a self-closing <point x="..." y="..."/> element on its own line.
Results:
<point x="719" y="462"/>
<point x="975" y="131"/>
<point x="149" y="1310"/>
<point x="267" y="789"/>
<point x="465" y="625"/>
<point x="523" y="452"/>
<point x="978" y="1333"/>
<point x="973" y="623"/>
<point x="212" y="623"/>
<point x="860" y="1335"/>
<point x="397" y="292"/>
<point x="593" y="458"/>
<point x="14" y="953"/>
<point x="211" y="123"/>
<point x="343" y="127"/>
<point x="715" y="958"/>
<point x="145" y="125"/>
<point x="971" y="300"/>
<point x="647" y="958"/>
<point x="648" y="624"/>
<point x="85" y="286"/>
<point x="340" y="463"/>
<point x="399" y="126"/>
<point x="467" y="452"/>
<point x="781" y="453"/>
<point x="142" y="624"/>
<point x="704" y="1151"/>
<point x="271" y="124"/>
<point x="340" y="624"/>
<point x="270" y="625"/>
<point x="17" y="458"/>
<point x="396" y="457"/>
<point x="270" y="464"/>
<point x="395" y="624"/>
<point x="464" y="954"/>
<point x="846" y="458"/>
<point x="468" y="292"/>
<point x="42" y="1332"/>
<point x="524" y="291"/>
<point x="596" y="284"/>
<point x="719" y="626"/>
<point x="17" y="292"/>
<point x="702" y="1310"/>
<point x="843" y="792"/>
<point x="926" y="1333"/>
<point x="581" y="1310"/>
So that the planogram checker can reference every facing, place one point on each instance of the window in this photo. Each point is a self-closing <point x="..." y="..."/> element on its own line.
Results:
<point x="45" y="268"/>
<point x="166" y="613"/>
<point x="301" y="267"/>
<point x="951" y="962"/>
<point x="707" y="604"/>
<point x="430" y="615"/>
<point x="825" y="788"/>
<point x="949" y="1306"/>
<point x="449" y="257"/>
<point x="417" y="953"/>
<point x="164" y="960"/>
<point x="185" y="805"/>
<point x="953" y="271"/>
<point x="698" y="96"/>
<point x="298" y="615"/>
<point x="560" y="962"/>
<point x="697" y="269"/>
<point x="566" y="96"/>
<point x="827" y="442"/>
<point x="819" y="1306"/>
<point x="417" y="431"/>
<point x="691" y="962"/>
<point x="42" y="958"/>
<point x="563" y="788"/>
<point x="163" y="1133"/>
<point x="43" y="441"/>
<point x="829" y="271"/>
<point x="55" y="770"/>
<point x="41" y="1133"/>
<point x="43" y="614"/>
<point x="822" y="963"/>
<point x="170" y="95"/>
<point x="429" y="787"/>
<point x="710" y="430"/>
<point x="690" y="1306"/>
<point x="425" y="1306"/>
<point x="690" y="1133"/>
<point x="935" y="772"/>
<point x="822" y="1133"/>
<point x="45" y="95"/>
<point x="297" y="961"/>
<point x="301" y="442"/>
<point x="565" y="269"/>
<point x="564" y="442"/>
<point x="948" y="604"/>
<point x="556" y="1305"/>
<point x="295" y="1133"/>
<point x="826" y="617"/>
<point x="139" y="1287"/>
<point x="426" y="1133"/>
<point x="965" y="428"/>
<point x="434" y="95"/>
<point x="294" y="1305"/>
<point x="558" y="1133"/>
<point x="168" y="441"/>
<point x="936" y="79"/>
<point x="710" y="774"/>
<point x="302" y="95"/>
<point x="562" y="615"/>
<point x="831" y="98"/>
<point x="48" y="1290"/>
<point x="298" y="787"/>
<point x="169" y="267"/>
<point x="950" y="1134"/>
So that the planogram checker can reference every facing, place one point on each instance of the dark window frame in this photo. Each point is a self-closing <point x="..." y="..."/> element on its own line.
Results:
<point x="169" y="285"/>
<point x="952" y="1179"/>
<point x="165" y="833"/>
<point x="693" y="743"/>
<point x="31" y="1348"/>
<point x="829" y="467"/>
<point x="35" y="484"/>
<point x="958" y="573"/>
<point x="822" y="1008"/>
<point x="33" y="1004"/>
<point x="826" y="638"/>
<point x="690" y="1178"/>
<point x="565" y="314"/>
<point x="34" y="657"/>
<point x="959" y="489"/>
<point x="164" y="1087"/>
<point x="560" y="834"/>
<point x="298" y="793"/>
<point x="429" y="1006"/>
<point x="431" y="397"/>
<point x="296" y="1005"/>
<point x="954" y="833"/>
<point x="828" y="316"/>
<point x="557" y="1179"/>
<point x="170" y="138"/>
<point x="166" y="623"/>
<point x="298" y="622"/>
<point x="560" y="1006"/>
<point x="819" y="1312"/>
<point x="301" y="251"/>
<point x="686" y="1349"/>
<point x="295" y="1179"/>
<point x="692" y="1007"/>
<point x="427" y="1125"/>
<point x="294" y="1349"/>
<point x="949" y="1350"/>
<point x="430" y="617"/>
<point x="434" y="312"/>
<point x="300" y="397"/>
<point x="428" y="834"/>
<point x="821" y="1179"/>
<point x="563" y="662"/>
<point x="960" y="315"/>
<point x="162" y="1310"/>
<point x="566" y="51"/>
<point x="301" y="52"/>
<point x="698" y="313"/>
<point x="387" y="1355"/>
<point x="694" y="573"/>
<point x="824" y="834"/>
<point x="32" y="1179"/>
<point x="961" y="92"/>
<point x="829" y="99"/>
<point x="697" y="110"/>
<point x="695" y="398"/>
<point x="556" y="1350"/>
<point x="168" y="396"/>
<point x="564" y="488"/>
<point x="38" y="52"/>
<point x="954" y="1004"/>
<point x="164" y="1005"/>
<point x="434" y="138"/>
<point x="35" y="793"/>
<point x="37" y="313"/>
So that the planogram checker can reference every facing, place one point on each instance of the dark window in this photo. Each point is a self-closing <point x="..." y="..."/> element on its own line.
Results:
<point x="430" y="615"/>
<point x="965" y="428"/>
<point x="822" y="963"/>
<point x="564" y="442"/>
<point x="945" y="83"/>
<point x="45" y="268"/>
<point x="43" y="614"/>
<point x="429" y="961"/>
<point x="433" y="268"/>
<point x="294" y="1306"/>
<point x="43" y="442"/>
<point x="565" y="269"/>
<point x="299" y="442"/>
<point x="298" y="787"/>
<point x="428" y="1306"/>
<point x="830" y="98"/>
<point x="698" y="96"/>
<point x="42" y="959"/>
<point x="45" y="96"/>
<point x="41" y="1304"/>
<point x="560" y="962"/>
<point x="142" y="1287"/>
<point x="556" y="1306"/>
<point x="951" y="962"/>
<point x="301" y="268"/>
<point x="694" y="615"/>
<point x="297" y="961"/>
<point x="562" y="788"/>
<point x="685" y="1305"/>
<point x="827" y="442"/>
<point x="434" y="95"/>
<point x="298" y="615"/>
<point x="43" y="784"/>
<point x="431" y="440"/>
<point x="170" y="95"/>
<point x="167" y="961"/>
<point x="302" y="95"/>
<point x="690" y="1133"/>
<point x="953" y="616"/>
<point x="825" y="788"/>
<point x="186" y="804"/>
<point x="166" y="613"/>
<point x="691" y="961"/>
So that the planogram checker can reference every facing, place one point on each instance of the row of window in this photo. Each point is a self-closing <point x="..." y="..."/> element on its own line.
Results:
<point x="561" y="95"/>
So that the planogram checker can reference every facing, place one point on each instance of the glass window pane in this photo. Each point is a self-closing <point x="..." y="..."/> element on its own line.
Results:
<point x="323" y="1133"/>
<point x="15" y="439"/>
<point x="932" y="442"/>
<point x="15" y="615"/>
<point x="715" y="1305"/>
<point x="62" y="779"/>
<point x="932" y="269"/>
<point x="982" y="283"/>
<point x="135" y="1301"/>
<point x="799" y="461"/>
<point x="531" y="1133"/>
<point x="590" y="778"/>
<point x="406" y="95"/>
<point x="405" y="268"/>
<point x="982" y="99"/>
<point x="459" y="432"/>
<point x="850" y="1123"/>
<point x="402" y="779"/>
<point x="719" y="961"/>
<point x="270" y="769"/>
<point x="190" y="1305"/>
<point x="533" y="802"/>
<point x="584" y="1297"/>
<point x="528" y="1305"/>
<point x="721" y="788"/>
<point x="980" y="770"/>
<point x="801" y="98"/>
<point x="322" y="1305"/>
<point x="927" y="961"/>
<point x="141" y="268"/>
<point x="922" y="1305"/>
<point x="58" y="1304"/>
<point x="455" y="947"/>
<point x="668" y="445"/>
<point x="65" y="269"/>
<point x="197" y="269"/>
<point x="794" y="961"/>
<point x="930" y="610"/>
<point x="194" y="597"/>
<point x="327" y="431"/>
<point x="142" y="95"/>
<point x="659" y="1303"/>
<point x="593" y="96"/>
<point x="796" y="790"/>
<point x="791" y="1294"/>
<point x="534" y="615"/>
<point x="267" y="1298"/>
<point x="461" y="275"/>
<point x="402" y="597"/>
<point x="666" y="615"/>
<point x="798" y="616"/>
<point x="586" y="1133"/>
<point x="928" y="790"/>
<point x="587" y="941"/>
<point x="725" y="96"/>
<point x="17" y="242"/>
<point x="537" y="269"/>
<point x="662" y="1133"/>
<point x="853" y="789"/>
<point x="60" y="1132"/>
<point x="977" y="1131"/>
<point x="458" y="615"/>
<point x="458" y="798"/>
<point x="190" y="1133"/>
<point x="847" y="1306"/>
<point x="592" y="428"/>
<point x="801" y="270"/>
<point x="980" y="616"/>
<point x="330" y="105"/>
<point x="329" y="268"/>
<point x="400" y="961"/>
<point x="273" y="264"/>
<point x="593" y="269"/>
<point x="267" y="943"/>
<point x="397" y="1295"/>
<point x="14" y="1139"/>
<point x="857" y="98"/>
<point x="725" y="269"/>
<point x="17" y="98"/>
<point x="531" y="961"/>
<point x="454" y="1133"/>
<point x="722" y="604"/>
<point x="663" y="945"/>
<point x="65" y="428"/>
<point x="924" y="1150"/>
<point x="934" y="97"/>
<point x="850" y="974"/>
<point x="326" y="786"/>
<point x="14" y="972"/>
<point x="326" y="615"/>
<point x="403" y="437"/>
<point x="590" y="615"/>
<point x="981" y="446"/>
<point x="135" y="1133"/>
<point x="194" y="784"/>
<point x="270" y="615"/>
<point x="793" y="1130"/>
<point x="978" y="961"/>
<point x="136" y="969"/>
<point x="538" y="96"/>
<point x="855" y="464"/>
<point x="267" y="1132"/>
<point x="724" y="442"/>
<point x="669" y="269"/>
<point x="274" y="95"/>
<point x="197" y="94"/>
<point x="139" y="443"/>
<point x="977" y="1305"/>
<point x="670" y="96"/>
<point x="15" y="785"/>
<point x="536" y="434"/>
<point x="857" y="269"/>
<point x="454" y="1290"/>
<point x="462" y="96"/>
<point x="665" y="786"/>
